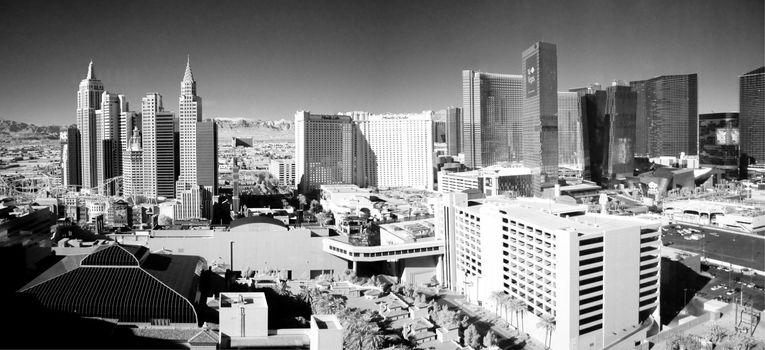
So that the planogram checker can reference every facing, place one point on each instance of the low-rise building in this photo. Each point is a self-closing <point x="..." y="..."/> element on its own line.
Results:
<point x="493" y="180"/>
<point x="284" y="170"/>
<point x="257" y="243"/>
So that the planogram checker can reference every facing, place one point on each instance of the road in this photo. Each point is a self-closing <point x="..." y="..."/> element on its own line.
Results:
<point x="729" y="247"/>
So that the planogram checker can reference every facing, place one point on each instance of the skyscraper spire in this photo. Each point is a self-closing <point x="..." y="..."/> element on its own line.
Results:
<point x="187" y="76"/>
<point x="91" y="74"/>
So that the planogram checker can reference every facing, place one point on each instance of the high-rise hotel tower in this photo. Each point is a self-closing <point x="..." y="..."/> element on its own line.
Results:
<point x="666" y="122"/>
<point x="88" y="102"/>
<point x="597" y="276"/>
<point x="540" y="114"/>
<point x="325" y="150"/>
<point x="752" y="113"/>
<point x="491" y="106"/>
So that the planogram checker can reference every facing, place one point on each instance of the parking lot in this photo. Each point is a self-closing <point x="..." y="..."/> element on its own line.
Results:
<point x="720" y="245"/>
<point x="727" y="285"/>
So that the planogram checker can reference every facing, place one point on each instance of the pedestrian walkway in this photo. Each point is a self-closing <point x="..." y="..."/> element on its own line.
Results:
<point x="482" y="318"/>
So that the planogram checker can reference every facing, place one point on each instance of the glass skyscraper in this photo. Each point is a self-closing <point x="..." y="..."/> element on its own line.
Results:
<point x="719" y="141"/>
<point x="453" y="130"/>
<point x="621" y="104"/>
<point x="752" y="113"/>
<point x="667" y="115"/>
<point x="570" y="137"/>
<point x="492" y="105"/>
<point x="540" y="114"/>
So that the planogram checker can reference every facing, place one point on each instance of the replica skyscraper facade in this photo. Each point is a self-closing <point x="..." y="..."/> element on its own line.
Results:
<point x="491" y="114"/>
<point x="108" y="155"/>
<point x="540" y="114"/>
<point x="150" y="106"/>
<point x="71" y="159"/>
<point x="198" y="151"/>
<point x="752" y="113"/>
<point x="88" y="102"/>
<point x="130" y="123"/>
<point x="189" y="114"/>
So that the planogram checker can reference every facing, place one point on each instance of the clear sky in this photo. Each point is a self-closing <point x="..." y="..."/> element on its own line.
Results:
<point x="266" y="59"/>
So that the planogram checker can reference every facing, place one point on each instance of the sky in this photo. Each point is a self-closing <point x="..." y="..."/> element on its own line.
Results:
<point x="263" y="59"/>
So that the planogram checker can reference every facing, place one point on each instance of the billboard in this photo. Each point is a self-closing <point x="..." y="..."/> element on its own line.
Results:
<point x="727" y="136"/>
<point x="531" y="76"/>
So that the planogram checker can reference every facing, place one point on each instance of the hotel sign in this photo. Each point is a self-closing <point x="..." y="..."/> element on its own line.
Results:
<point x="531" y="76"/>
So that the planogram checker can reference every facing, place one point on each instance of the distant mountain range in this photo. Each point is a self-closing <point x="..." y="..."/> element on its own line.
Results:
<point x="10" y="129"/>
<point x="281" y="124"/>
<point x="260" y="130"/>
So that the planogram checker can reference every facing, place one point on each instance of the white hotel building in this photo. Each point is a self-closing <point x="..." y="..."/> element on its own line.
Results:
<point x="596" y="275"/>
<point x="398" y="150"/>
<point x="383" y="150"/>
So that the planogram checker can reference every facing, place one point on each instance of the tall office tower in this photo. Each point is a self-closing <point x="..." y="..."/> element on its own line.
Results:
<point x="133" y="177"/>
<point x="570" y="132"/>
<point x="166" y="154"/>
<point x="207" y="155"/>
<point x="325" y="150"/>
<point x="88" y="101"/>
<point x="396" y="149"/>
<point x="540" y="114"/>
<point x="190" y="113"/>
<point x="752" y="113"/>
<point x="593" y="104"/>
<point x="453" y="130"/>
<point x="129" y="121"/>
<point x="719" y="136"/>
<point x="207" y="164"/>
<point x="235" y="185"/>
<point x="491" y="106"/>
<point x="150" y="106"/>
<point x="596" y="275"/>
<point x="439" y="127"/>
<point x="667" y="117"/>
<point x="108" y="155"/>
<point x="621" y="105"/>
<point x="71" y="159"/>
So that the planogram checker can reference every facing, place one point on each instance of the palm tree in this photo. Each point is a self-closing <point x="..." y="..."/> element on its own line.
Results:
<point x="505" y="303"/>
<point x="521" y="311"/>
<point x="548" y="323"/>
<point x="495" y="297"/>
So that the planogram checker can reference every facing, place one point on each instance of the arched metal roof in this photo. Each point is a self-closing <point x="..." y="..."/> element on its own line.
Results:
<point x="122" y="282"/>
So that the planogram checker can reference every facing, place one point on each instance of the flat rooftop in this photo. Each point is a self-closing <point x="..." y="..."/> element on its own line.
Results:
<point x="545" y="213"/>
<point x="326" y="321"/>
<point x="492" y="170"/>
<point x="248" y="300"/>
<point x="346" y="188"/>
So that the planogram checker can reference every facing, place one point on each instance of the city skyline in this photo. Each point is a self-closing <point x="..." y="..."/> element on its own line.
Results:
<point x="258" y="61"/>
